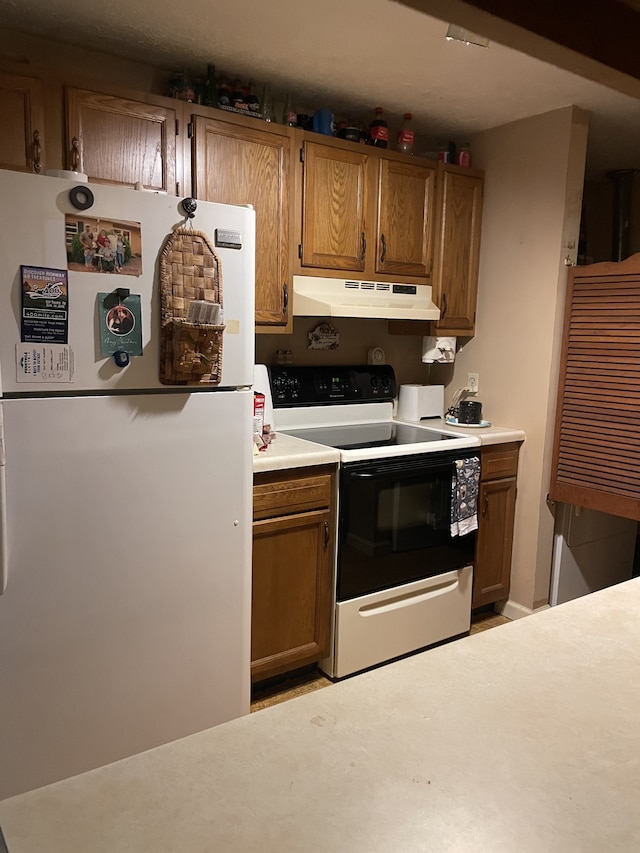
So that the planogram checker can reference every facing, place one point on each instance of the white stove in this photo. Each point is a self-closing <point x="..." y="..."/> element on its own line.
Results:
<point x="402" y="577"/>
<point x="351" y="409"/>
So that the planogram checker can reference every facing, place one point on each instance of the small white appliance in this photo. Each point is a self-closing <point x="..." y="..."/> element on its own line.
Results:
<point x="416" y="402"/>
<point x="125" y="622"/>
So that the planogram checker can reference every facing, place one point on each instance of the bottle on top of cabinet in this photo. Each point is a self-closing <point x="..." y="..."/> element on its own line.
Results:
<point x="379" y="130"/>
<point x="463" y="156"/>
<point x="289" y="115"/>
<point x="406" y="135"/>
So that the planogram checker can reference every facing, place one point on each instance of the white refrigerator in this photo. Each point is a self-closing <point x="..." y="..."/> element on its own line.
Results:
<point x="126" y="504"/>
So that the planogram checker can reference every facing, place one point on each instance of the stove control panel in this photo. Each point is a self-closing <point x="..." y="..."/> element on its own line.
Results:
<point x="321" y="386"/>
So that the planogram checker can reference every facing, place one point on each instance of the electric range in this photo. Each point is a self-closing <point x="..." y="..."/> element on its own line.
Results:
<point x="351" y="409"/>
<point x="402" y="576"/>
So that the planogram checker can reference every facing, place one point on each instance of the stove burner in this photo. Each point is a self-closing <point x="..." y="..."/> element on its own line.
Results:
<point x="359" y="436"/>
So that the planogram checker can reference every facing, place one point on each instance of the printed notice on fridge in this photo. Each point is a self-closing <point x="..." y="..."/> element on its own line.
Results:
<point x="45" y="303"/>
<point x="44" y="363"/>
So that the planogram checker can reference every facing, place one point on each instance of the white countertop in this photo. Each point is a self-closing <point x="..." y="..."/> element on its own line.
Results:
<point x="287" y="451"/>
<point x="520" y="739"/>
<point x="487" y="435"/>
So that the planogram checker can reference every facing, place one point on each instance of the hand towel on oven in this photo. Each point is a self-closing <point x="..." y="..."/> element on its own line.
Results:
<point x="464" y="496"/>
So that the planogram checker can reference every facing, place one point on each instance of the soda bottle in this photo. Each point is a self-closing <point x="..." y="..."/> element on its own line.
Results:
<point x="253" y="101"/>
<point x="463" y="157"/>
<point x="289" y="115"/>
<point x="379" y="130"/>
<point x="209" y="95"/>
<point x="237" y="98"/>
<point x="406" y="135"/>
<point x="224" y="99"/>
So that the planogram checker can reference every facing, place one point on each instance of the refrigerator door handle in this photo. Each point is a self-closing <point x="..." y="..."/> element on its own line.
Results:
<point x="4" y="567"/>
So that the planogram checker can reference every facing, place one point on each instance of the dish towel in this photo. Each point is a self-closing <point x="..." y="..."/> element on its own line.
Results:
<point x="465" y="486"/>
<point x="441" y="350"/>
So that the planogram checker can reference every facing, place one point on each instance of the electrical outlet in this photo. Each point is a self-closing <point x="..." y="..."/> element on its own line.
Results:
<point x="473" y="382"/>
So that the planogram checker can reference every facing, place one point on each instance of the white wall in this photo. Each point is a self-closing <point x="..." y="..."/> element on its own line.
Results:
<point x="533" y="189"/>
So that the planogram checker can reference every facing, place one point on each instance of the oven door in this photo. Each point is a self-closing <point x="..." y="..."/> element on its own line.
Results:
<point x="395" y="523"/>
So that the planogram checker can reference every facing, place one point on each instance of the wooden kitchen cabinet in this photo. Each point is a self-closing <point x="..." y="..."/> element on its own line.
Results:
<point x="457" y="253"/>
<point x="120" y="140"/>
<point x="365" y="212"/>
<point x="496" y="512"/>
<point x="240" y="162"/>
<point x="293" y="535"/>
<point x="334" y="217"/>
<point x="23" y="132"/>
<point x="406" y="206"/>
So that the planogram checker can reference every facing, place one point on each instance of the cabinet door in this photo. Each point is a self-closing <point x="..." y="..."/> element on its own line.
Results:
<point x="406" y="205"/>
<point x="121" y="141"/>
<point x="458" y="250"/>
<point x="492" y="570"/>
<point x="334" y="208"/>
<point x="291" y="594"/>
<point x="233" y="164"/>
<point x="22" y="137"/>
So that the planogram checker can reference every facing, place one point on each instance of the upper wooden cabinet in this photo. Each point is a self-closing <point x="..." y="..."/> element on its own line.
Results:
<point x="22" y="114"/>
<point x="455" y="282"/>
<point x="243" y="163"/>
<point x="366" y="212"/>
<point x="334" y="208"/>
<point x="116" y="140"/>
<point x="406" y="205"/>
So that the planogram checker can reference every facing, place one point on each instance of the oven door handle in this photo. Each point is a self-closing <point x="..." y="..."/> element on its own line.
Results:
<point x="399" y="470"/>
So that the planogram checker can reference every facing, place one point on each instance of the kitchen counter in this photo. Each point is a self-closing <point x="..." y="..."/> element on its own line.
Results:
<point x="487" y="435"/>
<point x="522" y="738"/>
<point x="287" y="451"/>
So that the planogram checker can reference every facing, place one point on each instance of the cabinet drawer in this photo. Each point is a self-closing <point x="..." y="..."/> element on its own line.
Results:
<point x="500" y="461"/>
<point x="278" y="494"/>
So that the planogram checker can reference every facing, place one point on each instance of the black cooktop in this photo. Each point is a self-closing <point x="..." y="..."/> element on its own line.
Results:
<point x="358" y="436"/>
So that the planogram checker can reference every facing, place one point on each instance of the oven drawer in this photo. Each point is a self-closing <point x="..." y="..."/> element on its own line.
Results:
<point x="383" y="625"/>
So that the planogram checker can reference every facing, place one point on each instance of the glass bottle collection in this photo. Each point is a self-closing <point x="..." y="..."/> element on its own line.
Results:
<point x="239" y="97"/>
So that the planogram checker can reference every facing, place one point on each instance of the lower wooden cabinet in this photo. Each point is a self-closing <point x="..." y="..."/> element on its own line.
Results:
<point x="496" y="509"/>
<point x="293" y="534"/>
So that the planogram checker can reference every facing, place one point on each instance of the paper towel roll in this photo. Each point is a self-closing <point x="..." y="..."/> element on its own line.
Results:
<point x="440" y="350"/>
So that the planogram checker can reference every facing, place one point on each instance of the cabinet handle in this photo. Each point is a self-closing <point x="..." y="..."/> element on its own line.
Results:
<point x="383" y="241"/>
<point x="326" y="535"/>
<point x="285" y="297"/>
<point x="364" y="247"/>
<point x="37" y="152"/>
<point x="485" y="505"/>
<point x="443" y="313"/>
<point x="75" y="154"/>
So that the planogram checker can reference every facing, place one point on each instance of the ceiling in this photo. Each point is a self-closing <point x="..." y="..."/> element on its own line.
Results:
<point x="349" y="55"/>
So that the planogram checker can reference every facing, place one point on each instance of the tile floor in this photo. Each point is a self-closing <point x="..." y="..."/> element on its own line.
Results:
<point x="278" y="690"/>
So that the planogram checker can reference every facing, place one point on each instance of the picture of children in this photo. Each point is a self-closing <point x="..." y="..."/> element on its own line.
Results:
<point x="120" y="321"/>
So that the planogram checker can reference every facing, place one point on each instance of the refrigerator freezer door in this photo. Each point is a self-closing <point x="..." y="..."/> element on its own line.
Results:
<point x="35" y="235"/>
<point x="126" y="622"/>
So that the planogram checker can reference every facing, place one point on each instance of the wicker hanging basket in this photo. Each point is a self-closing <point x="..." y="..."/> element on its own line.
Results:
<point x="190" y="353"/>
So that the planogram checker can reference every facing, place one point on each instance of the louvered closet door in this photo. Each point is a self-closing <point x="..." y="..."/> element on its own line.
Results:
<point x="596" y="459"/>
